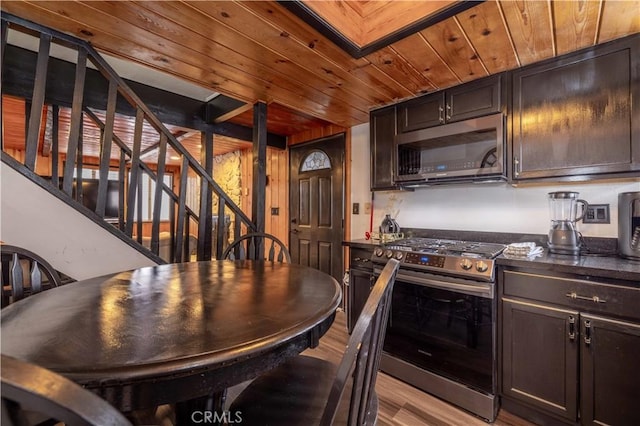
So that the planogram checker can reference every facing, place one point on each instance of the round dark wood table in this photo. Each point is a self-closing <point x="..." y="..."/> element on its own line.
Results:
<point x="175" y="332"/>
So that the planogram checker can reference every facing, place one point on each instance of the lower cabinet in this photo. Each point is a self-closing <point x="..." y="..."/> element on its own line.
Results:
<point x="564" y="354"/>
<point x="609" y="379"/>
<point x="540" y="357"/>
<point x="360" y="283"/>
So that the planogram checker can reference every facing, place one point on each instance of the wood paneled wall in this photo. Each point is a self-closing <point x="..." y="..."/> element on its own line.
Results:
<point x="277" y="190"/>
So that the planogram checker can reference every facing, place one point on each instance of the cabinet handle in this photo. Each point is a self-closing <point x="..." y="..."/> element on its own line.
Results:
<point x="360" y="259"/>
<point x="440" y="111"/>
<point x="587" y="332"/>
<point x="594" y="299"/>
<point x="572" y="328"/>
<point x="516" y="164"/>
<point x="448" y="112"/>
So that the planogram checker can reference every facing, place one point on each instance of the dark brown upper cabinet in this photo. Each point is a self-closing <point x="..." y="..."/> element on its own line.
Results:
<point x="573" y="116"/>
<point x="470" y="100"/>
<point x="382" y="127"/>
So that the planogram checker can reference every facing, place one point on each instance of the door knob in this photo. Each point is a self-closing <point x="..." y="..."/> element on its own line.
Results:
<point x="295" y="231"/>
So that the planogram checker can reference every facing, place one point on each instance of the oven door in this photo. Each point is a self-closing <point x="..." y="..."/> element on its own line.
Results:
<point x="445" y="326"/>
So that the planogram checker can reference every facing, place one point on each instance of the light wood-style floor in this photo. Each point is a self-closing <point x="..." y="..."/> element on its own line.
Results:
<point x="400" y="403"/>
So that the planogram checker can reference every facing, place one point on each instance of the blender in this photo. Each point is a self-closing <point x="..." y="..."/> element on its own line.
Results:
<point x="564" y="238"/>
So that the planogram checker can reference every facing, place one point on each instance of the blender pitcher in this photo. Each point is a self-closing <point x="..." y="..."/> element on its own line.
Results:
<point x="564" y="238"/>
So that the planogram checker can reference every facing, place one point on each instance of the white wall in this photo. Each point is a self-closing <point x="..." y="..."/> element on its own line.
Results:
<point x="474" y="207"/>
<point x="32" y="218"/>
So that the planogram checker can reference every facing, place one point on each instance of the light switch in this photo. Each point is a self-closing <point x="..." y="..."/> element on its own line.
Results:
<point x="356" y="208"/>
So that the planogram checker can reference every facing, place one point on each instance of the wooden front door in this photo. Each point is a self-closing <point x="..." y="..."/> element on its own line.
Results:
<point x="317" y="206"/>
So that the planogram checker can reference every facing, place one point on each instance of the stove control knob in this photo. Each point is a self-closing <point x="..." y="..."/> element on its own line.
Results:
<point x="482" y="266"/>
<point x="379" y="252"/>
<point x="389" y="254"/>
<point x="399" y="255"/>
<point x="466" y="264"/>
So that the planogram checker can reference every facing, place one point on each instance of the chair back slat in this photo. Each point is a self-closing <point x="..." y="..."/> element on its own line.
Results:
<point x="27" y="273"/>
<point x="30" y="388"/>
<point x="36" y="278"/>
<point x="361" y="360"/>
<point x="17" y="280"/>
<point x="250" y="245"/>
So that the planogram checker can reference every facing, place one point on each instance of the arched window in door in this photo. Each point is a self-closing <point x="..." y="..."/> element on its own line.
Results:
<point x="316" y="160"/>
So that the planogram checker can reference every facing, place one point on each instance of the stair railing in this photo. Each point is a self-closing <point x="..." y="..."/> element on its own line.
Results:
<point x="130" y="164"/>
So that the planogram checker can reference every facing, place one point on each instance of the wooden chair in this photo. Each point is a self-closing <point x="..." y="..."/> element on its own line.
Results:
<point x="307" y="390"/>
<point x="30" y="391"/>
<point x="248" y="246"/>
<point x="22" y="274"/>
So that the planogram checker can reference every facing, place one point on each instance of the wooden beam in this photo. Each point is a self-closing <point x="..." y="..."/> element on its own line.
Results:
<point x="179" y="135"/>
<point x="170" y="108"/>
<point x="229" y="115"/>
<point x="259" y="165"/>
<point x="222" y="105"/>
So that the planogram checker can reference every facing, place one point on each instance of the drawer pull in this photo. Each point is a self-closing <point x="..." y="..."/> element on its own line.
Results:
<point x="572" y="327"/>
<point x="358" y="259"/>
<point x="594" y="299"/>
<point x="587" y="332"/>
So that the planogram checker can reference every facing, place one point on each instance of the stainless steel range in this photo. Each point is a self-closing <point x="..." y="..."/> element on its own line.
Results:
<point x="441" y="332"/>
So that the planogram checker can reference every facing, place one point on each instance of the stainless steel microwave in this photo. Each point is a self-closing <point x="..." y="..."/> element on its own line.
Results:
<point x="470" y="150"/>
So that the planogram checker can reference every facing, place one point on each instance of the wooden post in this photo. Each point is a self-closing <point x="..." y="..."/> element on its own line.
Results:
<point x="259" y="165"/>
<point x="76" y="118"/>
<point x="205" y="227"/>
<point x="259" y="170"/>
<point x="4" y="30"/>
<point x="37" y="102"/>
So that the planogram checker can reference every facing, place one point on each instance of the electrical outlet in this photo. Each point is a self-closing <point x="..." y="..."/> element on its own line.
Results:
<point x="356" y="208"/>
<point x="597" y="213"/>
<point x="367" y="208"/>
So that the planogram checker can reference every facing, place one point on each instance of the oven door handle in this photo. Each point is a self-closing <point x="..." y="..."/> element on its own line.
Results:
<point x="485" y="290"/>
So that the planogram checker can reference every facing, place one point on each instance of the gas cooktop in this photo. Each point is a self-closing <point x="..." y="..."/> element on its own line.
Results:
<point x="453" y="247"/>
<point x="468" y="259"/>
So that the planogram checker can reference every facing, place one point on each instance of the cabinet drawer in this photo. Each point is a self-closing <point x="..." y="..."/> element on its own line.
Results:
<point x="574" y="293"/>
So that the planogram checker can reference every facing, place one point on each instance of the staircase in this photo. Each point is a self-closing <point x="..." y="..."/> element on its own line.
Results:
<point x="72" y="220"/>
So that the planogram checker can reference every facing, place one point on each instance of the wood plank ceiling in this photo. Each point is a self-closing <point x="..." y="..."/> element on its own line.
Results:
<point x="259" y="51"/>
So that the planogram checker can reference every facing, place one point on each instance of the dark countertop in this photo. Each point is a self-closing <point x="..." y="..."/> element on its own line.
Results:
<point x="362" y="243"/>
<point x="611" y="267"/>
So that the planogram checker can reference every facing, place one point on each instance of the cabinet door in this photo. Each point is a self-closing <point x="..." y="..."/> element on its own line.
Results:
<point x="360" y="284"/>
<point x="475" y="99"/>
<point x="420" y="113"/>
<point x="540" y="357"/>
<point x="382" y="124"/>
<point x="610" y="378"/>
<point x="575" y="115"/>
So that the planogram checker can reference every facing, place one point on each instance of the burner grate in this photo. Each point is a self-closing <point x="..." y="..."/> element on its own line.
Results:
<point x="453" y="247"/>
